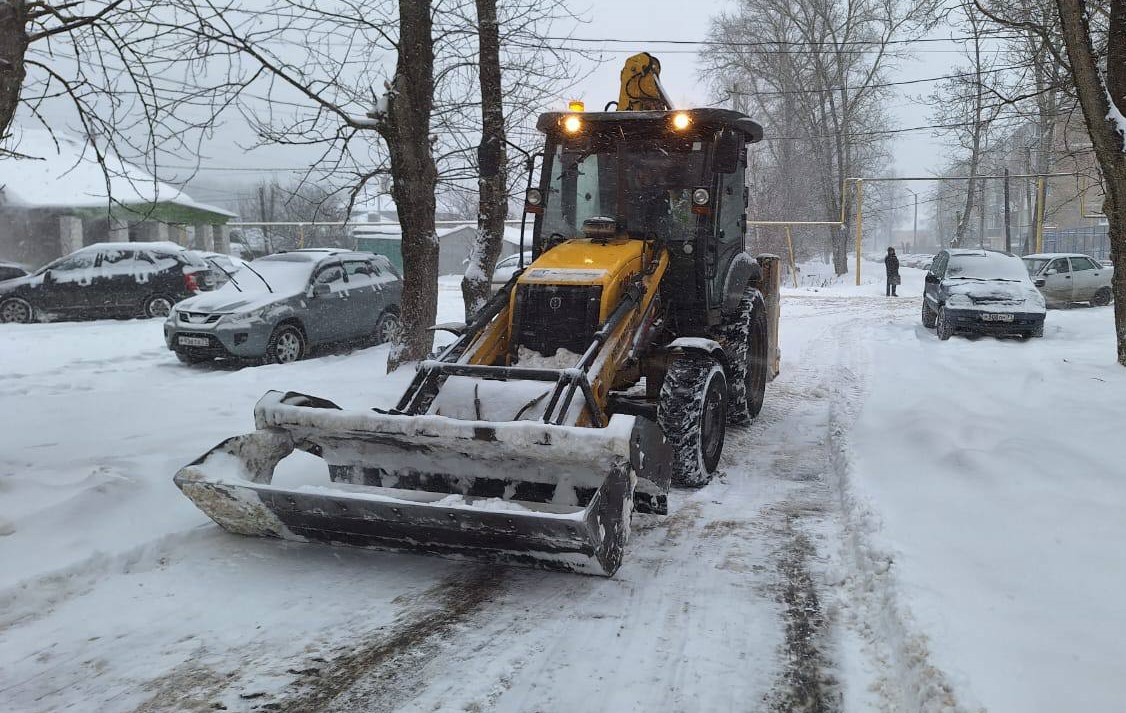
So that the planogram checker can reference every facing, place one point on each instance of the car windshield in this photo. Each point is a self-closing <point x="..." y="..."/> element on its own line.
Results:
<point x="986" y="266"/>
<point x="284" y="275"/>
<point x="1035" y="264"/>
<point x="647" y="184"/>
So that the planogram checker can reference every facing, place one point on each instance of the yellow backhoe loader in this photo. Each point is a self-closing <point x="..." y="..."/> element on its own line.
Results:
<point x="603" y="373"/>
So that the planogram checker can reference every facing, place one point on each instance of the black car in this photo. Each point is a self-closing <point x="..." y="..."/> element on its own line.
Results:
<point x="107" y="280"/>
<point x="981" y="291"/>
<point x="10" y="271"/>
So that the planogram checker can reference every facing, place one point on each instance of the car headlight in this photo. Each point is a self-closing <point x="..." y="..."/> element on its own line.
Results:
<point x="1036" y="298"/>
<point x="959" y="300"/>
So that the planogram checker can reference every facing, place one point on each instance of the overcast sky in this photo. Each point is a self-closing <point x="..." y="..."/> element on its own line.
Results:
<point x="638" y="27"/>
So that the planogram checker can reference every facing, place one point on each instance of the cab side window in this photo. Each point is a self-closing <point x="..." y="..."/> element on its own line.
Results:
<point x="331" y="275"/>
<point x="732" y="206"/>
<point x="78" y="267"/>
<point x="360" y="272"/>
<point x="938" y="267"/>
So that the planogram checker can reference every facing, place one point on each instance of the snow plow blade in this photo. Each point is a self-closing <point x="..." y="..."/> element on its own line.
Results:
<point x="525" y="493"/>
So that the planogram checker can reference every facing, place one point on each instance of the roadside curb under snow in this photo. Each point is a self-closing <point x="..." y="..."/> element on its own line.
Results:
<point x="909" y="681"/>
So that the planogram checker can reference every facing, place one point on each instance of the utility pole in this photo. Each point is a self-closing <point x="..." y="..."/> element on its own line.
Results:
<point x="915" y="227"/>
<point x="1008" y="216"/>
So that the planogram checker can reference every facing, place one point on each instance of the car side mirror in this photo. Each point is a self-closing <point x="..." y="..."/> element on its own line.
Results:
<point x="728" y="151"/>
<point x="1039" y="283"/>
<point x="1051" y="272"/>
<point x="47" y="277"/>
<point x="931" y="278"/>
<point x="319" y="290"/>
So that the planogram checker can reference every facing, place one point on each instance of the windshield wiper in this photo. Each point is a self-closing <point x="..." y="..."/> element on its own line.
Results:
<point x="263" y="279"/>
<point x="229" y="275"/>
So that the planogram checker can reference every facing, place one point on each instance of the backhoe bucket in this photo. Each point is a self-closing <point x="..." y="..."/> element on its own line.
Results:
<point x="556" y="497"/>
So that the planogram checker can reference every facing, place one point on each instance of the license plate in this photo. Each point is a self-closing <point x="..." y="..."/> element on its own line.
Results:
<point x="996" y="318"/>
<point x="194" y="341"/>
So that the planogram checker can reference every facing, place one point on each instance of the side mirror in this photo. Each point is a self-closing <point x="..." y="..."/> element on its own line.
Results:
<point x="47" y="277"/>
<point x="319" y="290"/>
<point x="932" y="278"/>
<point x="728" y="151"/>
<point x="1039" y="283"/>
<point x="1051" y="272"/>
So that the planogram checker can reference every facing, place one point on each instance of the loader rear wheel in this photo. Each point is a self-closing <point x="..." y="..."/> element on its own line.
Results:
<point x="692" y="412"/>
<point x="744" y="338"/>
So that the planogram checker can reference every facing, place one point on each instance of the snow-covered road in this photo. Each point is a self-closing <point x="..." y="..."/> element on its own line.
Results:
<point x="879" y="540"/>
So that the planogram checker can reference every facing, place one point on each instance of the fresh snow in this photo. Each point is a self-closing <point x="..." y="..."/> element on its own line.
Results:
<point x="909" y="525"/>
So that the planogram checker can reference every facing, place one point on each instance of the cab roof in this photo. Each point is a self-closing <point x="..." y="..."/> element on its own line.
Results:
<point x="701" y="119"/>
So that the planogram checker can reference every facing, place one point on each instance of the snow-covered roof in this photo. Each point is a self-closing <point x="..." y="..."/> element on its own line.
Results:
<point x="1049" y="256"/>
<point x="393" y="231"/>
<point x="162" y="245"/>
<point x="62" y="172"/>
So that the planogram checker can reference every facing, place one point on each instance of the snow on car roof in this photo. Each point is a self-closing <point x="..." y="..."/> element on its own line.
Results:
<point x="161" y="245"/>
<point x="1049" y="256"/>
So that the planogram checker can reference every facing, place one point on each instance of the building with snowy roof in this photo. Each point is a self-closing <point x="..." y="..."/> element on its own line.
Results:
<point x="454" y="243"/>
<point x="55" y="198"/>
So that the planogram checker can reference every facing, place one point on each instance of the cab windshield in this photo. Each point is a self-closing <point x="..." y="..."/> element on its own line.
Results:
<point x="642" y="184"/>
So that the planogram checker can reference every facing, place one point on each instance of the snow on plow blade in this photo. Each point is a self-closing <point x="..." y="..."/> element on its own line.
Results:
<point x="555" y="497"/>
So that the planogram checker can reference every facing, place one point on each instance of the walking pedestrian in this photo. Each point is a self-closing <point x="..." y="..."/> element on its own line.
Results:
<point x="891" y="266"/>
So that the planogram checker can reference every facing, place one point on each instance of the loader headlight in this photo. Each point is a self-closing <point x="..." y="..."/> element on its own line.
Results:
<point x="533" y="197"/>
<point x="572" y="124"/>
<point x="700" y="196"/>
<point x="687" y="248"/>
<point x="681" y="121"/>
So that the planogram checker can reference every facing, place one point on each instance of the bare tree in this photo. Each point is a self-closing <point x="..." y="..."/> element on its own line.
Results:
<point x="491" y="162"/>
<point x="1100" y="83"/>
<point x="814" y="71"/>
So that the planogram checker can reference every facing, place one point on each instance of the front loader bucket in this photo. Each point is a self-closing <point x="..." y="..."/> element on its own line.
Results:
<point x="555" y="497"/>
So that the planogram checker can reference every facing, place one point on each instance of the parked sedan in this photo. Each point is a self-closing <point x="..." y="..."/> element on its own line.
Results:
<point x="507" y="267"/>
<point x="11" y="270"/>
<point x="982" y="291"/>
<point x="279" y="306"/>
<point x="1065" y="278"/>
<point x="107" y="280"/>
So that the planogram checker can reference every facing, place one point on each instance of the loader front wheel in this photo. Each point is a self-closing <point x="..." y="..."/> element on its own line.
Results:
<point x="692" y="412"/>
<point x="744" y="338"/>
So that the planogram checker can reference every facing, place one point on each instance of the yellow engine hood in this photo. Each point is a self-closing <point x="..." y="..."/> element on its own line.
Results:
<point x="584" y="261"/>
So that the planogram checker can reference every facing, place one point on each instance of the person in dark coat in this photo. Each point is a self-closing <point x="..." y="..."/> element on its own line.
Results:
<point x="891" y="265"/>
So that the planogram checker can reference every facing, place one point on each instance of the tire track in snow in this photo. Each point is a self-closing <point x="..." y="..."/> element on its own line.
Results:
<point x="908" y="680"/>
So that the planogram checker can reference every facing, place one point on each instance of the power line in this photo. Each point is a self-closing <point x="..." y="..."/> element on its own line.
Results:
<point x="770" y="43"/>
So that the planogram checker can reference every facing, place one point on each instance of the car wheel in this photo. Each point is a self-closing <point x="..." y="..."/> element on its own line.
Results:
<point x="287" y="345"/>
<point x="158" y="306"/>
<point x="929" y="317"/>
<point x="388" y="329"/>
<point x="1102" y="298"/>
<point x="942" y="325"/>
<point x="16" y="310"/>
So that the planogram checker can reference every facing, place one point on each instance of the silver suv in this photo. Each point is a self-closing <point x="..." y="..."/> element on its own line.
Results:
<point x="279" y="306"/>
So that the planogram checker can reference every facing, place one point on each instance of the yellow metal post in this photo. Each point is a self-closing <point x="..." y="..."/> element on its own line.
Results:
<point x="859" y="224"/>
<point x="790" y="247"/>
<point x="1041" y="195"/>
<point x="300" y="236"/>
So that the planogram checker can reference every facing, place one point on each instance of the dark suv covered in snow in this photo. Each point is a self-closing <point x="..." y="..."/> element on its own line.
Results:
<point x="107" y="280"/>
<point x="981" y="291"/>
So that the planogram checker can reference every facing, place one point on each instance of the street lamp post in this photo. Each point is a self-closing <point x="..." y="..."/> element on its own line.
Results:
<point x="915" y="229"/>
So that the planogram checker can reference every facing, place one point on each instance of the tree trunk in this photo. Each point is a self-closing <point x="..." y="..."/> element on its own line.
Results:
<point x="491" y="161"/>
<point x="406" y="128"/>
<point x="13" y="46"/>
<point x="1109" y="143"/>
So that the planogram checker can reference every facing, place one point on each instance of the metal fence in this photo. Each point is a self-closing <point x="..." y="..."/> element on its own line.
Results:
<point x="1092" y="240"/>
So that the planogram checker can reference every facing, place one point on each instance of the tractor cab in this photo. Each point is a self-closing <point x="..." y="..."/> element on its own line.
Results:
<point x="670" y="179"/>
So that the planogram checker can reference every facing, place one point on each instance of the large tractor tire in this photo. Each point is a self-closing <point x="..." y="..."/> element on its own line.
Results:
<point x="745" y="341"/>
<point x="692" y="412"/>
